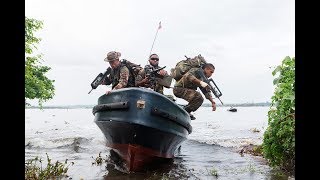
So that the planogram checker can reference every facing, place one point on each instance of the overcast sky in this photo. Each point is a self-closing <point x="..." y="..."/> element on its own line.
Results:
<point x="244" y="40"/>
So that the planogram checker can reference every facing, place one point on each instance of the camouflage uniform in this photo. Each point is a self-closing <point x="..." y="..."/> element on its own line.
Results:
<point x="187" y="90"/>
<point x="119" y="77"/>
<point x="142" y="75"/>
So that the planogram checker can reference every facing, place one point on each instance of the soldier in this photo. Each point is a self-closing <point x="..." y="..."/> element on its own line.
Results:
<point x="120" y="76"/>
<point x="186" y="88"/>
<point x="143" y="81"/>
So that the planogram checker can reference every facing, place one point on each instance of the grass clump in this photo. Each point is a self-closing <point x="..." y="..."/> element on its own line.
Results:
<point x="35" y="171"/>
<point x="98" y="160"/>
<point x="213" y="172"/>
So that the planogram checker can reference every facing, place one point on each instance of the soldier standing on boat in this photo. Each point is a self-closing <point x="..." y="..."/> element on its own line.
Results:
<point x="120" y="76"/>
<point x="186" y="88"/>
<point x="142" y="80"/>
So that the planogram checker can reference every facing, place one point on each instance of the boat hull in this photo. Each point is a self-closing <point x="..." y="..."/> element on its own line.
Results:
<point x="141" y="126"/>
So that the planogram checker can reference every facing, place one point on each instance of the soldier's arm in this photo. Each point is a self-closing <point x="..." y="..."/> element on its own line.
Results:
<point x="208" y="96"/>
<point x="141" y="80"/>
<point x="124" y="77"/>
<point x="206" y="93"/>
<point x="192" y="78"/>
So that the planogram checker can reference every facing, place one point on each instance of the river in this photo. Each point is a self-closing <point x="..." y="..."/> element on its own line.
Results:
<point x="210" y="152"/>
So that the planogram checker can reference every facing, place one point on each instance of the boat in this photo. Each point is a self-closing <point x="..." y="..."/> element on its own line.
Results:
<point x="232" y="109"/>
<point x="141" y="125"/>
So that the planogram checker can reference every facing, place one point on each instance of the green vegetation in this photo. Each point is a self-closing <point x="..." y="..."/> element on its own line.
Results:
<point x="55" y="170"/>
<point x="279" y="138"/>
<point x="99" y="160"/>
<point x="37" y="85"/>
<point x="257" y="150"/>
<point x="213" y="172"/>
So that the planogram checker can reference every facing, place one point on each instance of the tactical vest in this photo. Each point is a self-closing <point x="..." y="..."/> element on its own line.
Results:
<point x="115" y="76"/>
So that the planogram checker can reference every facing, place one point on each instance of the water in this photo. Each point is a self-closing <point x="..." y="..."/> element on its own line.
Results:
<point x="211" y="148"/>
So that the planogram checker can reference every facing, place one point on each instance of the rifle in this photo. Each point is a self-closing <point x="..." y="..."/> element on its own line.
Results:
<point x="217" y="93"/>
<point x="151" y="74"/>
<point x="214" y="89"/>
<point x="98" y="80"/>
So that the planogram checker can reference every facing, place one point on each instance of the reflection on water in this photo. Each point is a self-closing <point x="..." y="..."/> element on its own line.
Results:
<point x="209" y="153"/>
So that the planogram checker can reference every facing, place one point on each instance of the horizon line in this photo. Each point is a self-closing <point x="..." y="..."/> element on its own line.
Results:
<point x="225" y="104"/>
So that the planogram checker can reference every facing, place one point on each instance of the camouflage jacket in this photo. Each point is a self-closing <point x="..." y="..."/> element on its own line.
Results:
<point x="187" y="81"/>
<point x="142" y="75"/>
<point x="120" y="78"/>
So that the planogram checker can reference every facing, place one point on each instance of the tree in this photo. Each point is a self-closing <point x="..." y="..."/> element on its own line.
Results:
<point x="37" y="85"/>
<point x="279" y="137"/>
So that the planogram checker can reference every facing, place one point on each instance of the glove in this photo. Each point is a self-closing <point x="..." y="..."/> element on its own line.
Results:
<point x="203" y="84"/>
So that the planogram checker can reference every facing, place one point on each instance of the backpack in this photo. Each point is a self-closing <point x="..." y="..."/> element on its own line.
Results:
<point x="184" y="66"/>
<point x="133" y="69"/>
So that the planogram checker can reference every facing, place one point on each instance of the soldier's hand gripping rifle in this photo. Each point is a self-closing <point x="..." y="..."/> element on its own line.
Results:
<point x="99" y="79"/>
<point x="213" y="88"/>
<point x="151" y="74"/>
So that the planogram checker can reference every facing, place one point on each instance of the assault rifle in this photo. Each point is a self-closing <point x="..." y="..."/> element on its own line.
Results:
<point x="98" y="80"/>
<point x="214" y="89"/>
<point x="151" y="74"/>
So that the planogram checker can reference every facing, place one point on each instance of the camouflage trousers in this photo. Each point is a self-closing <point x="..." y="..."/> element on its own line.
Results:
<point x="194" y="98"/>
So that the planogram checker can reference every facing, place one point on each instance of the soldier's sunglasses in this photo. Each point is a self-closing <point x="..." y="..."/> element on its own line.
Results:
<point x="155" y="59"/>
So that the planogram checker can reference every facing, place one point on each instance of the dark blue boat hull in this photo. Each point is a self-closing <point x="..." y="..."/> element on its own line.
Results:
<point x="141" y="125"/>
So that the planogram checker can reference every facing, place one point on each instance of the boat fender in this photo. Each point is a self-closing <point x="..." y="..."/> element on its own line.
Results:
<point x="110" y="106"/>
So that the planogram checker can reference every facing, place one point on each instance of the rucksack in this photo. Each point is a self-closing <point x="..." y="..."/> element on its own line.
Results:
<point x="184" y="66"/>
<point x="133" y="69"/>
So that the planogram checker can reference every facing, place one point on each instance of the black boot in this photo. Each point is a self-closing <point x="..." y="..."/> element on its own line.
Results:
<point x="188" y="110"/>
<point x="192" y="117"/>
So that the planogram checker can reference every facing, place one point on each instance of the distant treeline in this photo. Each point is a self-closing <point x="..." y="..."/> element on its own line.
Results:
<point x="240" y="104"/>
<point x="91" y="106"/>
<point x="62" y="107"/>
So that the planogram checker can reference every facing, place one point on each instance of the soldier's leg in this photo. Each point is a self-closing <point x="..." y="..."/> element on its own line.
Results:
<point x="192" y="96"/>
<point x="195" y="101"/>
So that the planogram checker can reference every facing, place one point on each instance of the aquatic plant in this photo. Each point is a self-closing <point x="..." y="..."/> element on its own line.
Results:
<point x="257" y="150"/>
<point x="212" y="172"/>
<point x="279" y="137"/>
<point x="35" y="171"/>
<point x="98" y="160"/>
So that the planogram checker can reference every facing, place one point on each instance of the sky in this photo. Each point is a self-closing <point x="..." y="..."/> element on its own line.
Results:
<point x="245" y="40"/>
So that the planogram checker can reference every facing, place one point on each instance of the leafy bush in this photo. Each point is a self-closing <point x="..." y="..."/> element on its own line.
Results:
<point x="34" y="170"/>
<point x="279" y="138"/>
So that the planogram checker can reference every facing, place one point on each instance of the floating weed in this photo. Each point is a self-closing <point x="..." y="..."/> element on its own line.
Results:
<point x="35" y="171"/>
<point x="257" y="150"/>
<point x="98" y="160"/>
<point x="252" y="169"/>
<point x="248" y="168"/>
<point x="212" y="172"/>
